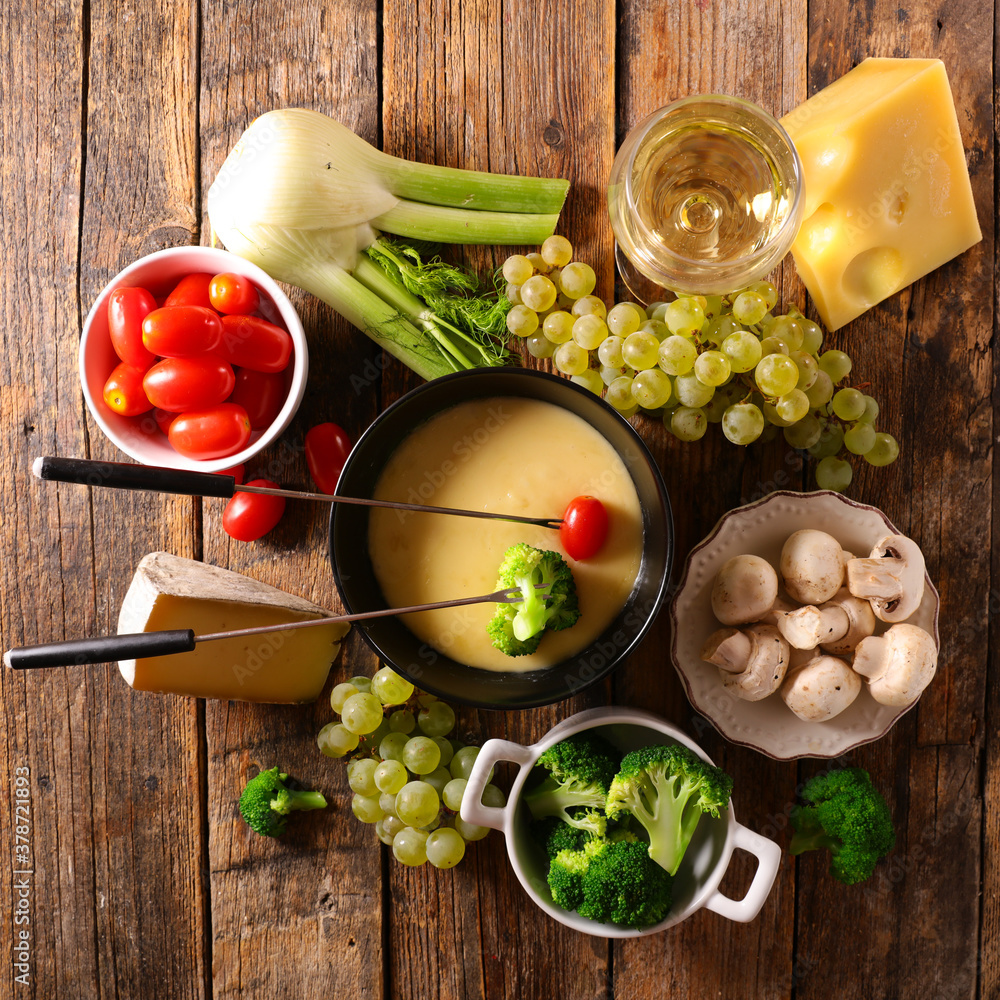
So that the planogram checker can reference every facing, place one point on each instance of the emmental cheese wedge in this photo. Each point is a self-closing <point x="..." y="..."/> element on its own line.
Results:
<point x="888" y="196"/>
<point x="170" y="592"/>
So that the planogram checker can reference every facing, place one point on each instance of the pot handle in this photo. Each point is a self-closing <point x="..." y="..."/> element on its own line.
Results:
<point x="492" y="751"/>
<point x="768" y="855"/>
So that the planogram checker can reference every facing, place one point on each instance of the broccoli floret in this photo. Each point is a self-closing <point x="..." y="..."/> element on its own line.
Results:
<point x="266" y="802"/>
<point x="666" y="789"/>
<point x="516" y="628"/>
<point x="553" y="834"/>
<point x="613" y="882"/>
<point x="580" y="769"/>
<point x="848" y="816"/>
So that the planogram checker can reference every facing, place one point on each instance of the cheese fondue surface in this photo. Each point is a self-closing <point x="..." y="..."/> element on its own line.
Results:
<point x="506" y="455"/>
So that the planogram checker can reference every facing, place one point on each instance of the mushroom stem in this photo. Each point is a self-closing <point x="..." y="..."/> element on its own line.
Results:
<point x="875" y="578"/>
<point x="871" y="657"/>
<point x="729" y="649"/>
<point x="810" y="626"/>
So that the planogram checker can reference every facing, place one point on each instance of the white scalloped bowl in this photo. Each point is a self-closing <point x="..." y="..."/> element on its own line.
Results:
<point x="761" y="528"/>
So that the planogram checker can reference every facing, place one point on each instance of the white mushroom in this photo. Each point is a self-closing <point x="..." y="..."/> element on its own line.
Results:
<point x="892" y="578"/>
<point x="820" y="689"/>
<point x="745" y="589"/>
<point x="777" y="610"/>
<point x="752" y="661"/>
<point x="838" y="626"/>
<point x="898" y="664"/>
<point x="812" y="566"/>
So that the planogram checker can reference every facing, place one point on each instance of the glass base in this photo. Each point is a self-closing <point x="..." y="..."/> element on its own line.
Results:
<point x="641" y="289"/>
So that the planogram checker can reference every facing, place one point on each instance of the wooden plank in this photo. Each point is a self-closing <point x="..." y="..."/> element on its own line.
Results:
<point x="314" y="896"/>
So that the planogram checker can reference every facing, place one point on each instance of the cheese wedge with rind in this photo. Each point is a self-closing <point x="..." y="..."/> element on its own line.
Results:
<point x="887" y="191"/>
<point x="280" y="667"/>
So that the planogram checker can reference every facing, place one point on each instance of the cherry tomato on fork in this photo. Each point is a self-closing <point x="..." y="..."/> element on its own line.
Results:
<point x="249" y="516"/>
<point x="233" y="294"/>
<point x="127" y="308"/>
<point x="584" y="528"/>
<point x="327" y="448"/>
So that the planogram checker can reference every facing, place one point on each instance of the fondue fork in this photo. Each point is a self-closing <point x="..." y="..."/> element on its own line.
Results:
<point x="121" y="475"/>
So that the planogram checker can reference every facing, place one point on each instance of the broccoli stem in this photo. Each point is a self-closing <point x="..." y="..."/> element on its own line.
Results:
<point x="286" y="801"/>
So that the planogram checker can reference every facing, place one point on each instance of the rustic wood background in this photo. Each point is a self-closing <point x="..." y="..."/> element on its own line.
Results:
<point x="113" y="120"/>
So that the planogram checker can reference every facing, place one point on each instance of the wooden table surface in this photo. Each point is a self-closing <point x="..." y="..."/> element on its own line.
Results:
<point x="115" y="118"/>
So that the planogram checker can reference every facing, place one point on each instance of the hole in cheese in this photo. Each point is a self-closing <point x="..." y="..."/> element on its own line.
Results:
<point x="821" y="228"/>
<point x="874" y="274"/>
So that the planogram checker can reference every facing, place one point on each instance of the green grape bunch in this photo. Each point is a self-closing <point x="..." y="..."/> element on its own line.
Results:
<point x="405" y="768"/>
<point x="699" y="360"/>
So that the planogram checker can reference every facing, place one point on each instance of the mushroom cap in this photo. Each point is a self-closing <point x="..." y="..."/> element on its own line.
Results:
<point x="898" y="664"/>
<point x="860" y="622"/>
<point x="728" y="648"/>
<point x="808" y="626"/>
<point x="820" y="689"/>
<point x="892" y="578"/>
<point x="812" y="566"/>
<point x="765" y="668"/>
<point x="744" y="590"/>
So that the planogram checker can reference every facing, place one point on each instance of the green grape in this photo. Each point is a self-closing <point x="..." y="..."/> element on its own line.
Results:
<point x="834" y="474"/>
<point x="619" y="394"/>
<point x="493" y="797"/>
<point x="829" y="443"/>
<point x="340" y="693"/>
<point x="557" y="251"/>
<point x="691" y="391"/>
<point x="657" y="311"/>
<point x="577" y="279"/>
<point x="570" y="358"/>
<point x="386" y="828"/>
<point x="522" y="321"/>
<point x="651" y="388"/>
<point x="590" y="380"/>
<point x="513" y="293"/>
<point x="590" y="305"/>
<point x="848" y="404"/>
<point x="719" y="328"/>
<point x="749" y="307"/>
<point x="402" y="721"/>
<point x="366" y="808"/>
<point x="641" y="350"/>
<point x="774" y="345"/>
<point x="812" y="336"/>
<point x="557" y="327"/>
<point x="676" y="355"/>
<point x="421" y="755"/>
<point x="804" y="433"/>
<point x="539" y="346"/>
<point x="373" y="739"/>
<point x="684" y="316"/>
<point x="712" y="368"/>
<point x="859" y="438"/>
<point x="687" y="423"/>
<point x="589" y="331"/>
<point x="610" y="352"/>
<point x="766" y="290"/>
<point x="555" y="276"/>
<point x="445" y="848"/>
<point x="808" y="369"/>
<point x="447" y="751"/>
<point x="742" y="423"/>
<point x="517" y="269"/>
<point x="451" y="794"/>
<point x="387" y="803"/>
<point x="623" y="319"/>
<point x="437" y="719"/>
<point x="409" y="846"/>
<point x="743" y="350"/>
<point x="334" y="740"/>
<point x="776" y="374"/>
<point x="538" y="262"/>
<point x="390" y="776"/>
<point x="539" y="293"/>
<point x="884" y="451"/>
<point x="793" y="406"/>
<point x="836" y="364"/>
<point x="390" y="687"/>
<point x="361" y="776"/>
<point x="821" y="391"/>
<point x="461" y="763"/>
<point x="361" y="683"/>
<point x="772" y="417"/>
<point x="725" y="396"/>
<point x="362" y="713"/>
<point x="417" y="803"/>
<point x="871" y="410"/>
<point x="608" y="374"/>
<point x="437" y="779"/>
<point x="787" y="328"/>
<point x="391" y="748"/>
<point x="655" y="328"/>
<point x="469" y="831"/>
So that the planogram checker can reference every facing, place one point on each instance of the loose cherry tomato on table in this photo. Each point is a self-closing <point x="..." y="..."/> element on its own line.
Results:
<point x="233" y="294"/>
<point x="123" y="391"/>
<point x="180" y="384"/>
<point x="584" y="528"/>
<point x="327" y="448"/>
<point x="261" y="394"/>
<point x="249" y="516"/>
<point x="127" y="308"/>
<point x="191" y="290"/>
<point x="252" y="342"/>
<point x="214" y="432"/>
<point x="181" y="331"/>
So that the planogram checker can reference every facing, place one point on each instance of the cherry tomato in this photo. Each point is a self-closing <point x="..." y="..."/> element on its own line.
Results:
<point x="127" y="308"/>
<point x="261" y="394"/>
<point x="252" y="342"/>
<point x="163" y="418"/>
<point x="233" y="294"/>
<point x="248" y="516"/>
<point x="237" y="472"/>
<point x="191" y="290"/>
<point x="123" y="391"/>
<point x="180" y="384"/>
<point x="584" y="528"/>
<point x="213" y="432"/>
<point x="327" y="448"/>
<point x="181" y="331"/>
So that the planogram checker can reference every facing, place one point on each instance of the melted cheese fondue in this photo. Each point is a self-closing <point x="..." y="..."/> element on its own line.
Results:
<point x="512" y="456"/>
